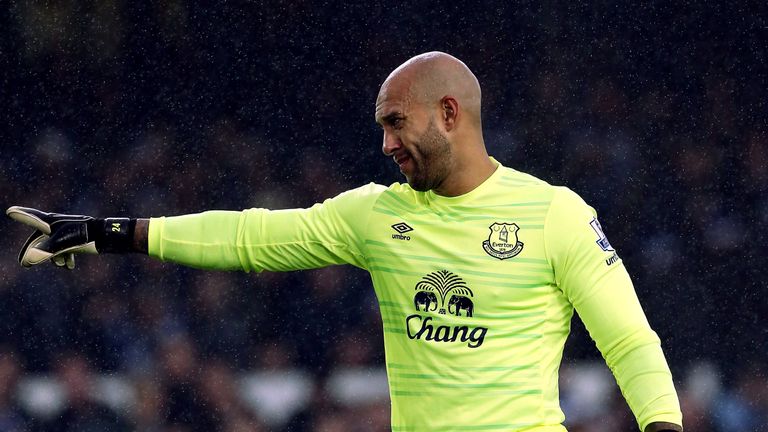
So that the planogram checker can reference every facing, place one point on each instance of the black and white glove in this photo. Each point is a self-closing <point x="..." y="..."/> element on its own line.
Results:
<point x="58" y="237"/>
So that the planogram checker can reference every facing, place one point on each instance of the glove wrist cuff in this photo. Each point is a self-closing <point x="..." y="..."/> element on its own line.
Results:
<point x="112" y="235"/>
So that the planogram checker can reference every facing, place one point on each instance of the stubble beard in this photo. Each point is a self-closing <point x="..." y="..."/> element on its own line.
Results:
<point x="433" y="164"/>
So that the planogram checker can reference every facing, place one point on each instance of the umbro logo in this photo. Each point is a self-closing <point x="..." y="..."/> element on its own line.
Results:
<point x="401" y="228"/>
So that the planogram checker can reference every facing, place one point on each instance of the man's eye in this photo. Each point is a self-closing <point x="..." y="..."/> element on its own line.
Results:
<point x="397" y="123"/>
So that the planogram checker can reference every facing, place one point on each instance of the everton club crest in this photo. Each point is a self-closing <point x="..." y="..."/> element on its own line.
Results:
<point x="503" y="242"/>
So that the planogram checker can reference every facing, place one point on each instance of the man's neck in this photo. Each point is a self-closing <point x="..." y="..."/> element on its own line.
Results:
<point x="467" y="176"/>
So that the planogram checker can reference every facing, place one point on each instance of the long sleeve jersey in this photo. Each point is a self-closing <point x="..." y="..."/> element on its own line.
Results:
<point x="476" y="293"/>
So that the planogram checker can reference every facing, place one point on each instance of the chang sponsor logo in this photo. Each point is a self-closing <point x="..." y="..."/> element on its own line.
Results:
<point x="422" y="327"/>
<point x="432" y="291"/>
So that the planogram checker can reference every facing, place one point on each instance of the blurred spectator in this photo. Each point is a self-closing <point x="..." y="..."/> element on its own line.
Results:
<point x="220" y="389"/>
<point x="12" y="417"/>
<point x="702" y="386"/>
<point x="150" y="405"/>
<point x="186" y="409"/>
<point x="745" y="407"/>
<point x="217" y="325"/>
<point x="82" y="413"/>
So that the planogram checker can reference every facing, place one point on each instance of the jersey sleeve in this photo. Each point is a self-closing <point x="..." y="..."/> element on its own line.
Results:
<point x="594" y="279"/>
<point x="258" y="239"/>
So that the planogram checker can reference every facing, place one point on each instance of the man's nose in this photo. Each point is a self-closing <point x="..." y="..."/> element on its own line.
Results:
<point x="391" y="144"/>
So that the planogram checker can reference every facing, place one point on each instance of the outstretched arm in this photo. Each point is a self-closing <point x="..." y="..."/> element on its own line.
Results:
<point x="251" y="240"/>
<point x="254" y="239"/>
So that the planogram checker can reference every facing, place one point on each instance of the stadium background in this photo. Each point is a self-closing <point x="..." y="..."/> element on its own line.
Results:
<point x="655" y="114"/>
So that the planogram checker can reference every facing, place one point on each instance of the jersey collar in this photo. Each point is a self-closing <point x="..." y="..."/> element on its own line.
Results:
<point x="432" y="197"/>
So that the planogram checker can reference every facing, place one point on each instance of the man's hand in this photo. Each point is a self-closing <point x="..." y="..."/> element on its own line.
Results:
<point x="58" y="237"/>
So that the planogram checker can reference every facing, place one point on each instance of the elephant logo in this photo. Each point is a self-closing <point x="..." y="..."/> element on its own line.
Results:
<point x="457" y="303"/>
<point x="449" y="287"/>
<point x="426" y="299"/>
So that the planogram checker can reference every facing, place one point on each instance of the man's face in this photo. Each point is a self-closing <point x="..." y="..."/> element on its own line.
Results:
<point x="412" y="138"/>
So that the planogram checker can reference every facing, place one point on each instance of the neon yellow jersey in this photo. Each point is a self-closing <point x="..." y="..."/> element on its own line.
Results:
<point x="476" y="293"/>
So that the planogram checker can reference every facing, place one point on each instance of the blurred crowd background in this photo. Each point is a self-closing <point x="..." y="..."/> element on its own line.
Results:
<point x="655" y="114"/>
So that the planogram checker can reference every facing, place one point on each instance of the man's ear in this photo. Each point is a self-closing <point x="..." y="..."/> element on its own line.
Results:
<point x="450" y="108"/>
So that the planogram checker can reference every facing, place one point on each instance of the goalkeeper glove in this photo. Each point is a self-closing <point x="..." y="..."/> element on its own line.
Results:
<point x="58" y="237"/>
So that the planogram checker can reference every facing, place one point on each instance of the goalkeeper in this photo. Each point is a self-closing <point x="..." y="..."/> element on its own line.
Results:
<point x="477" y="267"/>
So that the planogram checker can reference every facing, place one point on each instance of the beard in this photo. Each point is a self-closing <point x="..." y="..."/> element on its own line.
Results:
<point x="432" y="159"/>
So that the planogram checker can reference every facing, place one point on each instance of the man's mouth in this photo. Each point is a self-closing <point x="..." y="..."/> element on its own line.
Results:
<point x="401" y="160"/>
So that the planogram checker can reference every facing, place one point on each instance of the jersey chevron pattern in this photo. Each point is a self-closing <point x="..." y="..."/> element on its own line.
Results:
<point x="476" y="293"/>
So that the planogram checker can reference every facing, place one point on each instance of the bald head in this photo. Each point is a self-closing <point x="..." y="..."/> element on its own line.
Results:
<point x="428" y="78"/>
<point x="429" y="110"/>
